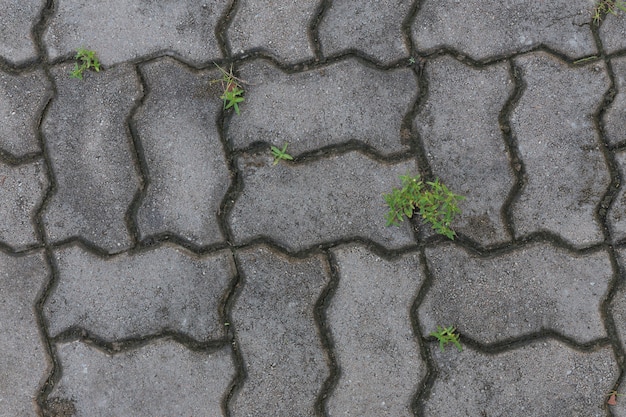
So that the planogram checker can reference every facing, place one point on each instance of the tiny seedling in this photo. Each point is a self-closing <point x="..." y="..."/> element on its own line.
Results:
<point x="604" y="7"/>
<point x="447" y="335"/>
<point x="87" y="60"/>
<point x="436" y="203"/>
<point x="411" y="60"/>
<point x="232" y="87"/>
<point x="280" y="154"/>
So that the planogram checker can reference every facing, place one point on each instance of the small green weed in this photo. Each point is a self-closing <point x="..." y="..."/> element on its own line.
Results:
<point x="233" y="90"/>
<point x="447" y="335"/>
<point x="604" y="7"/>
<point x="88" y="60"/>
<point x="280" y="154"/>
<point x="436" y="203"/>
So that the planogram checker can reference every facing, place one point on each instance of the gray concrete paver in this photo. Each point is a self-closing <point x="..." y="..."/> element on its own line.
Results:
<point x="325" y="106"/>
<point x="182" y="150"/>
<point x="616" y="217"/>
<point x="273" y="317"/>
<point x="517" y="293"/>
<point x="22" y="98"/>
<point x="121" y="31"/>
<point x="352" y="207"/>
<point x="544" y="378"/>
<point x="615" y="116"/>
<point x="131" y="296"/>
<point x="486" y="29"/>
<point x="567" y="175"/>
<point x="464" y="144"/>
<point x="371" y="26"/>
<point x="23" y="359"/>
<point x="375" y="346"/>
<point x="91" y="156"/>
<point x="172" y="379"/>
<point x="16" y="22"/>
<point x="612" y="32"/>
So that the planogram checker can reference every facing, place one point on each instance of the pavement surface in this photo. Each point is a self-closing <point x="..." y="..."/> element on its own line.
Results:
<point x="155" y="262"/>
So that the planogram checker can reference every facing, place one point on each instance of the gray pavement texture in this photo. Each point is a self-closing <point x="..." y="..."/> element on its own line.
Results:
<point x="155" y="261"/>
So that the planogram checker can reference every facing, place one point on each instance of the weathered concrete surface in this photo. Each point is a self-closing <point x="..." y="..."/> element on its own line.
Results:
<point x="16" y="22"/>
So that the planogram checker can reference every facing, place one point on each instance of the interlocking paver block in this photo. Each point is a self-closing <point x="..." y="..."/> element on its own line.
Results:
<point x="618" y="308"/>
<point x="464" y="143"/>
<point x="22" y="98"/>
<point x="615" y="116"/>
<point x="23" y="362"/>
<point x="161" y="379"/>
<point x="278" y="201"/>
<point x="91" y="156"/>
<point x="370" y="320"/>
<point x="524" y="291"/>
<point x="140" y="294"/>
<point x="120" y="30"/>
<point x="567" y="175"/>
<point x="374" y="27"/>
<point x="277" y="27"/>
<point x="277" y="334"/>
<point x="489" y="28"/>
<point x="612" y="32"/>
<point x="346" y="101"/>
<point x="21" y="190"/>
<point x="16" y="21"/>
<point x="188" y="173"/>
<point x="617" y="214"/>
<point x="545" y="378"/>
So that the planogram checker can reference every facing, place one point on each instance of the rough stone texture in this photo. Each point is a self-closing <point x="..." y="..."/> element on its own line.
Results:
<point x="120" y="30"/>
<point x="335" y="105"/>
<point x="618" y="308"/>
<point x="545" y="378"/>
<point x="617" y="214"/>
<point x="536" y="287"/>
<point x="16" y="21"/>
<point x="21" y="191"/>
<point x="464" y="143"/>
<point x="615" y="116"/>
<point x="187" y="170"/>
<point x="173" y="380"/>
<point x="23" y="361"/>
<point x="371" y="26"/>
<point x="376" y="350"/>
<point x="278" y="337"/>
<point x="566" y="171"/>
<point x="137" y="295"/>
<point x="279" y="28"/>
<point x="485" y="29"/>
<point x="22" y="98"/>
<point x="352" y="207"/>
<point x="91" y="156"/>
<point x="613" y="33"/>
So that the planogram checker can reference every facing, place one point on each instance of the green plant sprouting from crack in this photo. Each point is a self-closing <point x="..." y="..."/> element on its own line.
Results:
<point x="437" y="205"/>
<point x="232" y="87"/>
<point x="604" y="7"/>
<point x="280" y="154"/>
<point x="88" y="60"/>
<point x="447" y="335"/>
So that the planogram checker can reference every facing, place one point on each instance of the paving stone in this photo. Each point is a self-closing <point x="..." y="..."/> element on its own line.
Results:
<point x="21" y="190"/>
<point x="334" y="105"/>
<point x="545" y="378"/>
<point x="612" y="32"/>
<point x="280" y="28"/>
<point x="188" y="173"/>
<point x="23" y="361"/>
<point x="91" y="155"/>
<point x="370" y="320"/>
<point x="120" y="30"/>
<point x="142" y="294"/>
<point x="464" y="143"/>
<point x="536" y="287"/>
<point x="16" y="22"/>
<point x="277" y="334"/>
<point x="486" y="29"/>
<point x="617" y="213"/>
<point x="22" y="98"/>
<point x="161" y="379"/>
<point x="567" y="175"/>
<point x="615" y="116"/>
<point x="278" y="201"/>
<point x="617" y="308"/>
<point x="373" y="27"/>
